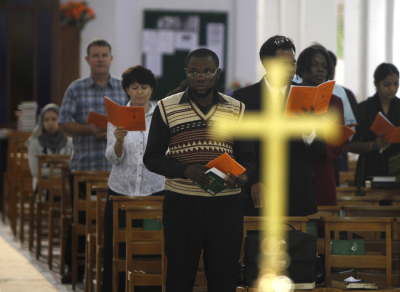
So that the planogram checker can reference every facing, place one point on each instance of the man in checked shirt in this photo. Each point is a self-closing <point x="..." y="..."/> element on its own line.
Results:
<point x="89" y="141"/>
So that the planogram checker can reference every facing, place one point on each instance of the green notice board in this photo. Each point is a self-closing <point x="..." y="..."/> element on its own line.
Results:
<point x="169" y="36"/>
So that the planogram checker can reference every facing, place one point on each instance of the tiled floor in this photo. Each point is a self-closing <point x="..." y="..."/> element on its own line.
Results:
<point x="20" y="271"/>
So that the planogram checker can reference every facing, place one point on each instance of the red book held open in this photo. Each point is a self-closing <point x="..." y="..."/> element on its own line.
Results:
<point x="308" y="96"/>
<point x="97" y="119"/>
<point x="132" y="118"/>
<point x="382" y="125"/>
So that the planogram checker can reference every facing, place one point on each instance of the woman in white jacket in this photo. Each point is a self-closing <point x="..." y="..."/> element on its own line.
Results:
<point x="125" y="150"/>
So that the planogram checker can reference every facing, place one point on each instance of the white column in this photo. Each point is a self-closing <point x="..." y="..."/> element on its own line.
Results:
<point x="245" y="46"/>
<point x="376" y="44"/>
<point x="354" y="46"/>
<point x="396" y="36"/>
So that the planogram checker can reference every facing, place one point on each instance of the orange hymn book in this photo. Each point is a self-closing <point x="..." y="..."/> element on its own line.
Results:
<point x="343" y="134"/>
<point x="225" y="164"/>
<point x="308" y="96"/>
<point x="382" y="125"/>
<point x="132" y="118"/>
<point x="97" y="119"/>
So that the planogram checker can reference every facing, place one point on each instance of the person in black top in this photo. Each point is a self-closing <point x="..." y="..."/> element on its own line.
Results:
<point x="281" y="50"/>
<point x="374" y="150"/>
<point x="180" y="143"/>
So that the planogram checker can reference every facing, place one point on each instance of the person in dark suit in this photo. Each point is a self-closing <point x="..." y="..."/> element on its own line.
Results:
<point x="280" y="50"/>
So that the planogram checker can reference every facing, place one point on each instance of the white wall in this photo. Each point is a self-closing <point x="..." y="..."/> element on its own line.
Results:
<point x="250" y="23"/>
<point x="305" y="21"/>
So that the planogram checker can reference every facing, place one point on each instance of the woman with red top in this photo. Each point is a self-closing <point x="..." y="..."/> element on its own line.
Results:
<point x="314" y="67"/>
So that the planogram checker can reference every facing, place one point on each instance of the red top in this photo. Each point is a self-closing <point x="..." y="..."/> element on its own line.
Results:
<point x="324" y="166"/>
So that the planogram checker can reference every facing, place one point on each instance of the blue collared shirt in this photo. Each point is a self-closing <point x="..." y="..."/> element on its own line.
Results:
<point x="83" y="96"/>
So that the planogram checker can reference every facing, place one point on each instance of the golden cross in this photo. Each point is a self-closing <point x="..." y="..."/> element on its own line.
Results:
<point x="274" y="131"/>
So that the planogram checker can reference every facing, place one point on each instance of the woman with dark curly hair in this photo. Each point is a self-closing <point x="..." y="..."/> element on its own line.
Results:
<point x="125" y="149"/>
<point x="314" y="67"/>
<point x="374" y="150"/>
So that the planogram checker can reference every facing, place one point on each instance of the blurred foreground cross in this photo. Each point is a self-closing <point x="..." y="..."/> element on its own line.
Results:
<point x="274" y="132"/>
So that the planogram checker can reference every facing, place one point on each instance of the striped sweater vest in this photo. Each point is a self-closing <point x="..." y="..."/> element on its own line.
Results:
<point x="193" y="140"/>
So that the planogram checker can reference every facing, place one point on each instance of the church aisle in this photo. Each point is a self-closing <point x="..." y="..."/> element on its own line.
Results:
<point x="20" y="271"/>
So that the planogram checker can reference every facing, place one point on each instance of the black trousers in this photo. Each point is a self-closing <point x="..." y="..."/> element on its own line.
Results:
<point x="108" y="242"/>
<point x="193" y="223"/>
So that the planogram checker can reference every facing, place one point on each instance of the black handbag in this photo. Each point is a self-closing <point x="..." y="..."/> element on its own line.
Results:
<point x="302" y="249"/>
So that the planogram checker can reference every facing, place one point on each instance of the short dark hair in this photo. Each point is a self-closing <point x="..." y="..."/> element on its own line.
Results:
<point x="269" y="48"/>
<point x="202" y="53"/>
<point x="99" y="43"/>
<point x="305" y="57"/>
<point x="140" y="75"/>
<point x="333" y="58"/>
<point x="384" y="70"/>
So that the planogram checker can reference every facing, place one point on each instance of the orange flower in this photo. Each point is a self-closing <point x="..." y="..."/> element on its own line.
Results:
<point x="91" y="13"/>
<point x="76" y="13"/>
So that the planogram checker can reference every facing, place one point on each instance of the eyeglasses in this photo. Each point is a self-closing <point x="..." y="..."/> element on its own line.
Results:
<point x="281" y="40"/>
<point x="207" y="75"/>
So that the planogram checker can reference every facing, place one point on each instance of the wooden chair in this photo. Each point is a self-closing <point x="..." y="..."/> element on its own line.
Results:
<point x="380" y="192"/>
<point x="358" y="261"/>
<point x="395" y="200"/>
<point x="24" y="189"/>
<point x="325" y="211"/>
<point x="346" y="191"/>
<point x="58" y="186"/>
<point x="141" y="242"/>
<point x="316" y="289"/>
<point x="119" y="234"/>
<point x="380" y="289"/>
<point x="88" y="206"/>
<point x="9" y="200"/>
<point x="374" y="211"/>
<point x="346" y="177"/>
<point x="45" y="210"/>
<point x="254" y="223"/>
<point x="95" y="242"/>
<point x="360" y="200"/>
<point x="65" y="214"/>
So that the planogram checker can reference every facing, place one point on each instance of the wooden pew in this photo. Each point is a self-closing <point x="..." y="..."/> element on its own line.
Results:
<point x="95" y="242"/>
<point x="15" y="138"/>
<point x="45" y="210"/>
<point x="87" y="206"/>
<point x="359" y="261"/>
<point x="24" y="189"/>
<point x="325" y="211"/>
<point x="65" y="214"/>
<point x="360" y="200"/>
<point x="141" y="242"/>
<point x="119" y="234"/>
<point x="254" y="223"/>
<point x="346" y="191"/>
<point x="380" y="192"/>
<point x="375" y="211"/>
<point x="58" y="186"/>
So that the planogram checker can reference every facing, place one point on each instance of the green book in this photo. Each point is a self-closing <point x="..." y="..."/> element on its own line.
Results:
<point x="217" y="185"/>
<point x="347" y="246"/>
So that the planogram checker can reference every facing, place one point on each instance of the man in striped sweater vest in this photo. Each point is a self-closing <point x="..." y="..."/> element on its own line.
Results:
<point x="181" y="141"/>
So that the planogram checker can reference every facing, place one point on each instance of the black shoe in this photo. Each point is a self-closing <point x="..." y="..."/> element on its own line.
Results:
<point x="67" y="279"/>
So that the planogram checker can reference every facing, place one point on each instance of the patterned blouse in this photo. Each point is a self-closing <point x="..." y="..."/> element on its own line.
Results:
<point x="128" y="175"/>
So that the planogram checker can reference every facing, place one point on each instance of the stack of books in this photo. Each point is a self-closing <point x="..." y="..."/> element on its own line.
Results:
<point x="351" y="283"/>
<point x="385" y="182"/>
<point x="26" y="115"/>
